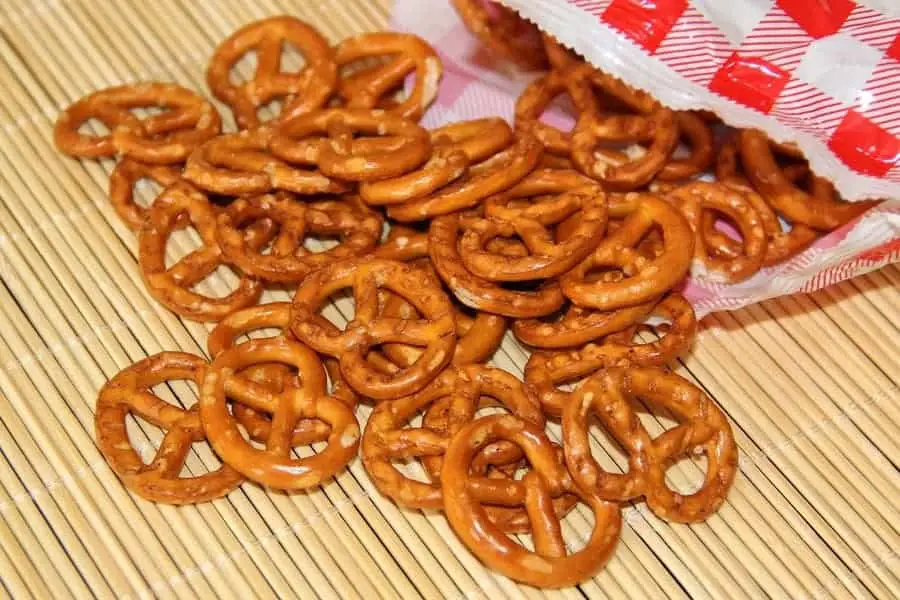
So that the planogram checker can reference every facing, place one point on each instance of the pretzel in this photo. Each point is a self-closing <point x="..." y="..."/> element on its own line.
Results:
<point x="130" y="393"/>
<point x="652" y="123"/>
<point x="465" y="497"/>
<point x="547" y="370"/>
<point x="702" y="428"/>
<point x="303" y="91"/>
<point x="273" y="466"/>
<point x="546" y="256"/>
<point x="289" y="261"/>
<point x="577" y="326"/>
<point x="165" y="138"/>
<point x="504" y="33"/>
<point x="700" y="140"/>
<point x="456" y="146"/>
<point x="458" y="392"/>
<point x="409" y="54"/>
<point x="643" y="278"/>
<point x="476" y="292"/>
<point x="559" y="57"/>
<point x="172" y="286"/>
<point x="693" y="199"/>
<point x="339" y="155"/>
<point x="270" y="315"/>
<point x="537" y="97"/>
<point x="122" y="182"/>
<point x="238" y="164"/>
<point x="820" y="212"/>
<point x="494" y="175"/>
<point x="435" y="331"/>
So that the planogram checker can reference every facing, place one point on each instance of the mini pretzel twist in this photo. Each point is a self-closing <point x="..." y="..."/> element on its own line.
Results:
<point x="239" y="164"/>
<point x="129" y="393"/>
<point x="538" y="95"/>
<point x="456" y="146"/>
<point x="504" y="33"/>
<point x="703" y="427"/>
<point x="449" y="402"/>
<point x="409" y="54"/>
<point x="392" y="145"/>
<point x="289" y="261"/>
<point x="122" y="182"/>
<point x="577" y="326"/>
<point x="172" y="286"/>
<point x="643" y="278"/>
<point x="547" y="370"/>
<point x="434" y="332"/>
<point x="187" y="120"/>
<point x="303" y="91"/>
<point x="274" y="466"/>
<point x="466" y="497"/>
<point x="699" y="137"/>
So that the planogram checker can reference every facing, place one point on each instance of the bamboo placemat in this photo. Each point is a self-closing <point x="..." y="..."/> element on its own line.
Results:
<point x="809" y="382"/>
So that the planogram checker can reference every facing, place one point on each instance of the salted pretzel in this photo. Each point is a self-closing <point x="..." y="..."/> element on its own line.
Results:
<point x="608" y="395"/>
<point x="302" y="91"/>
<point x="457" y="392"/>
<point x="642" y="278"/>
<point x="548" y="201"/>
<point x="240" y="164"/>
<point x="130" y="393"/>
<point x="477" y="292"/>
<point x="435" y="332"/>
<point x="492" y="176"/>
<point x="456" y="146"/>
<point x="652" y="123"/>
<point x="696" y="199"/>
<point x="546" y="371"/>
<point x="699" y="139"/>
<point x="467" y="496"/>
<point x="504" y="33"/>
<point x="186" y="121"/>
<point x="538" y="95"/>
<point x="821" y="212"/>
<point x="273" y="466"/>
<point x="289" y="261"/>
<point x="171" y="286"/>
<point x="390" y="145"/>
<point x="477" y="337"/>
<point x="122" y="182"/>
<point x="577" y="326"/>
<point x="409" y="54"/>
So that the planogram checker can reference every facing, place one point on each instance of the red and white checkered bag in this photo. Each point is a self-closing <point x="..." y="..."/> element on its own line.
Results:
<point x="822" y="73"/>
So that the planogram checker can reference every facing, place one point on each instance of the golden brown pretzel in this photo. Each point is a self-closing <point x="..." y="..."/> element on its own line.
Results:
<point x="476" y="292"/>
<point x="129" y="393"/>
<point x="559" y="57"/>
<point x="577" y="326"/>
<point x="239" y="164"/>
<point x="504" y="33"/>
<point x="643" y="278"/>
<point x="392" y="145"/>
<point x="700" y="140"/>
<point x="702" y="427"/>
<point x="409" y="54"/>
<point x="547" y="370"/>
<point x="822" y="212"/>
<point x="496" y="174"/>
<point x="699" y="197"/>
<point x="302" y="91"/>
<point x="458" y="391"/>
<point x="187" y="121"/>
<point x="172" y="286"/>
<point x="456" y="146"/>
<point x="538" y="95"/>
<point x="435" y="332"/>
<point x="652" y="123"/>
<point x="466" y="497"/>
<point x="289" y="261"/>
<point x="122" y="181"/>
<point x="274" y="466"/>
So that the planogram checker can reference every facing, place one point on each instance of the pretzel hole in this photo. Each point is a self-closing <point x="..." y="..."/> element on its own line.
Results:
<point x="560" y="113"/>
<point x="686" y="475"/>
<point x="269" y="110"/>
<point x="94" y="127"/>
<point x="218" y="284"/>
<point x="144" y="437"/>
<point x="146" y="190"/>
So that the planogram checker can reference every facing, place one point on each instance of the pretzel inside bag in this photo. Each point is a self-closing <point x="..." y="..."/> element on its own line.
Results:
<point x="504" y="32"/>
<point x="302" y="91"/>
<point x="129" y="393"/>
<point x="702" y="427"/>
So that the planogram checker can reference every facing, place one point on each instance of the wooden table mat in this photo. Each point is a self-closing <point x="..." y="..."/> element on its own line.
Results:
<point x="809" y="382"/>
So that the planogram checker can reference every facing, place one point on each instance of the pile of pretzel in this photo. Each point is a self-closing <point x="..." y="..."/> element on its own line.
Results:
<point x="560" y="237"/>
